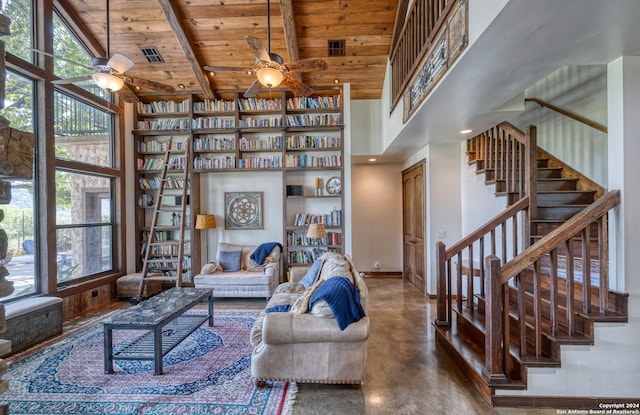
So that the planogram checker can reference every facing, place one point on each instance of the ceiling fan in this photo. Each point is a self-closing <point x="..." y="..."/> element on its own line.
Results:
<point x="110" y="74"/>
<point x="269" y="67"/>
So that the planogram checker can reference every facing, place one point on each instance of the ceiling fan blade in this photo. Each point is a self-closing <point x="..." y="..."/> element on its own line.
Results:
<point x="120" y="63"/>
<point x="297" y="87"/>
<point x="127" y="94"/>
<point x="148" y="84"/>
<point x="253" y="89"/>
<point x="258" y="48"/>
<point x="73" y="80"/>
<point x="306" y="65"/>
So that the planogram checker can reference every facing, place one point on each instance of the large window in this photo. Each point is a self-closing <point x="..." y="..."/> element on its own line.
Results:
<point x="84" y="225"/>
<point x="21" y="38"/>
<point x="18" y="209"/>
<point x="80" y="152"/>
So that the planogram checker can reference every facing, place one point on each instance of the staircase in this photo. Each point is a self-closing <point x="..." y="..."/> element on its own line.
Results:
<point x="534" y="277"/>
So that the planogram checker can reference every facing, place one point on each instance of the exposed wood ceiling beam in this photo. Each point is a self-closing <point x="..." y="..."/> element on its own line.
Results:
<point x="289" y="24"/>
<point x="175" y="21"/>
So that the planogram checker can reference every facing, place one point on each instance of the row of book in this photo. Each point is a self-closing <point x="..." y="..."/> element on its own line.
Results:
<point x="260" y="162"/>
<point x="163" y="124"/>
<point x="158" y="264"/>
<point x="307" y="256"/>
<point x="334" y="218"/>
<point x="214" y="122"/>
<point x="314" y="102"/>
<point x="300" y="120"/>
<point x="158" y="236"/>
<point x="261" y="122"/>
<point x="160" y="107"/>
<point x="155" y="183"/>
<point x="213" y="105"/>
<point x="300" y="238"/>
<point x="312" y="141"/>
<point x="305" y="160"/>
<point x="206" y="163"/>
<point x="268" y="143"/>
<point x="174" y="163"/>
<point x="213" y="143"/>
<point x="259" y="104"/>
<point x="156" y="146"/>
<point x="303" y="120"/>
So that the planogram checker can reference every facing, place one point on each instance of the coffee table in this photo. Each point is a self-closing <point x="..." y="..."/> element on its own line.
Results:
<point x="164" y="316"/>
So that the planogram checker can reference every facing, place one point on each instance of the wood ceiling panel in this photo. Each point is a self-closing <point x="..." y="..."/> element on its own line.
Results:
<point x="217" y="29"/>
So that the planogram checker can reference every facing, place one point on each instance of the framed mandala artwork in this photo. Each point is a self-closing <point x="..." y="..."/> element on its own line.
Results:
<point x="243" y="210"/>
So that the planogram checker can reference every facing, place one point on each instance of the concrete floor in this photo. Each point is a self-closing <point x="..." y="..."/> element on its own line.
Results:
<point x="406" y="373"/>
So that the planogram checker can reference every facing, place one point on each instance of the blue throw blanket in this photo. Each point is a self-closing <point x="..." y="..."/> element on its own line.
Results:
<point x="263" y="251"/>
<point x="342" y="297"/>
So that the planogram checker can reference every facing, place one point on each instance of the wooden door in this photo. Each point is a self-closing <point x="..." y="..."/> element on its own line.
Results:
<point x="413" y="224"/>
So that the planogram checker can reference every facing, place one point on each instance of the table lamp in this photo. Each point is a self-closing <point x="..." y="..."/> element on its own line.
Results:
<point x="205" y="221"/>
<point x="317" y="231"/>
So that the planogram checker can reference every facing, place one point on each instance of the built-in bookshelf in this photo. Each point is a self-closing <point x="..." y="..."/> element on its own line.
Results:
<point x="301" y="137"/>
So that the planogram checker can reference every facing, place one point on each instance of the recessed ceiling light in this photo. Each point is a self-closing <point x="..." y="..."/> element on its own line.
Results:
<point x="465" y="131"/>
<point x="181" y="86"/>
<point x="372" y="160"/>
<point x="336" y="81"/>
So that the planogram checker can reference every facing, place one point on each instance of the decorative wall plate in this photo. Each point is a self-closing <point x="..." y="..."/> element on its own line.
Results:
<point x="243" y="210"/>
<point x="334" y="186"/>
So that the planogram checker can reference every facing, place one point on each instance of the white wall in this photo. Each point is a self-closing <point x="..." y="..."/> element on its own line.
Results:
<point x="212" y="189"/>
<point x="377" y="216"/>
<point x="366" y="127"/>
<point x="583" y="91"/>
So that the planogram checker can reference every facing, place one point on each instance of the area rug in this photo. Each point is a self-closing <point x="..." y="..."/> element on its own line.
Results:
<point x="208" y="373"/>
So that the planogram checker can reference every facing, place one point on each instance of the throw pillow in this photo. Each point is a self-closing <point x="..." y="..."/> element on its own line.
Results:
<point x="209" y="268"/>
<point x="254" y="266"/>
<point x="230" y="261"/>
<point x="312" y="273"/>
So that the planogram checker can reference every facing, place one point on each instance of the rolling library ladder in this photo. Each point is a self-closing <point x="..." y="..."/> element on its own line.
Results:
<point x="163" y="256"/>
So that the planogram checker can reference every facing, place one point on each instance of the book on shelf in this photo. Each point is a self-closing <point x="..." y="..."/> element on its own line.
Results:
<point x="313" y="142"/>
<point x="328" y="102"/>
<point x="267" y="143"/>
<point x="259" y="104"/>
<point x="214" y="105"/>
<point x="162" y="107"/>
<point x="305" y="160"/>
<point x="334" y="218"/>
<point x="213" y="143"/>
<point x="270" y="162"/>
<point x="310" y="120"/>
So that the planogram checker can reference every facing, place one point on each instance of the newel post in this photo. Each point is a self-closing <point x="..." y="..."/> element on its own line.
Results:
<point x="441" y="285"/>
<point x="494" y="369"/>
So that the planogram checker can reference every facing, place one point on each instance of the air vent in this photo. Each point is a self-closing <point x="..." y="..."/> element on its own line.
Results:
<point x="336" y="47"/>
<point x="152" y="54"/>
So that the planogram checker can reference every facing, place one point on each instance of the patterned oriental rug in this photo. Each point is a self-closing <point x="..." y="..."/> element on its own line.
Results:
<point x="208" y="373"/>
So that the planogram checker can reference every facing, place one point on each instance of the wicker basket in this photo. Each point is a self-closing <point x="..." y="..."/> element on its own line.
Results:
<point x="128" y="286"/>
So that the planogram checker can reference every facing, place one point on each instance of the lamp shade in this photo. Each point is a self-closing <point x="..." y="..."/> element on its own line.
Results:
<point x="269" y="77"/>
<point x="317" y="231"/>
<point x="108" y="81"/>
<point x="205" y="221"/>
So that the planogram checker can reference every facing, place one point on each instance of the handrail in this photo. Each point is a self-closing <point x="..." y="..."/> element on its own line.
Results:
<point x="559" y="235"/>
<point x="569" y="114"/>
<point x="444" y="257"/>
<point x="490" y="225"/>
<point x="526" y="271"/>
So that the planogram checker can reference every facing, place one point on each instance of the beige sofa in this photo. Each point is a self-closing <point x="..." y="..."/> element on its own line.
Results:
<point x="251" y="280"/>
<point x="310" y="347"/>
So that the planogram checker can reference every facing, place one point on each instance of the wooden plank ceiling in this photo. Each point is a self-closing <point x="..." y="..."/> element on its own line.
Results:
<point x="190" y="34"/>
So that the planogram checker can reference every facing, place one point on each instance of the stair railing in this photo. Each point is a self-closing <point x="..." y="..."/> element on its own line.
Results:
<point x="576" y="287"/>
<point x="505" y="225"/>
<point x="508" y="156"/>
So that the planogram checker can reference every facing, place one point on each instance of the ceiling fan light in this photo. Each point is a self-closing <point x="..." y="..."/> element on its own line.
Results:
<point x="108" y="81"/>
<point x="120" y="63"/>
<point x="269" y="77"/>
